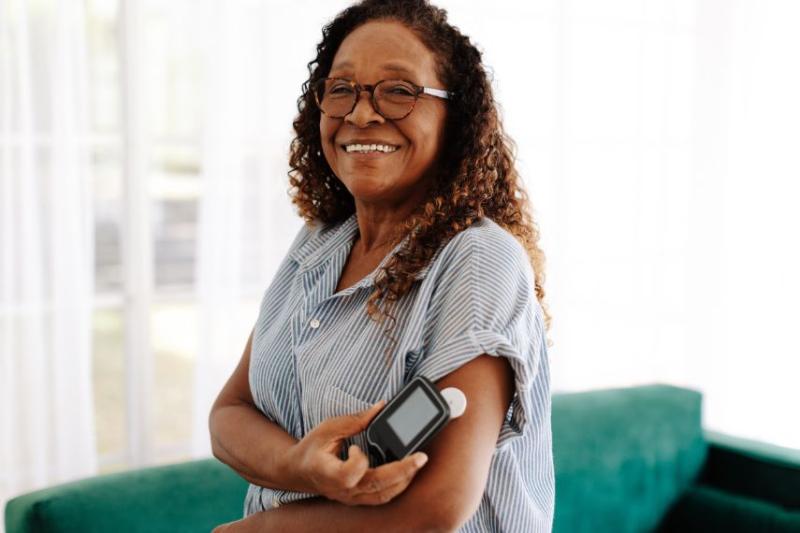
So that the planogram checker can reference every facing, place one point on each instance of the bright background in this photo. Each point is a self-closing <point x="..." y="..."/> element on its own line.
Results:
<point x="144" y="206"/>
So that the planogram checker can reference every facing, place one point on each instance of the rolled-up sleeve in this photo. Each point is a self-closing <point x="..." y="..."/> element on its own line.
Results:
<point x="485" y="303"/>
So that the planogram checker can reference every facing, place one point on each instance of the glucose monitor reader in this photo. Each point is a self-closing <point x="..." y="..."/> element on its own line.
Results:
<point x="412" y="418"/>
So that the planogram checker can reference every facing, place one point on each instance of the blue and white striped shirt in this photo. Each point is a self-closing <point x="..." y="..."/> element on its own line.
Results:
<point x="316" y="354"/>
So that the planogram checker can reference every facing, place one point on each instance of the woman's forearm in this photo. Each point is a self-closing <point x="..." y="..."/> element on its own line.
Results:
<point x="319" y="514"/>
<point x="255" y="447"/>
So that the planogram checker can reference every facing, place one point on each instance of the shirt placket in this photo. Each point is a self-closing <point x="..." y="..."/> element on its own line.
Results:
<point x="306" y="324"/>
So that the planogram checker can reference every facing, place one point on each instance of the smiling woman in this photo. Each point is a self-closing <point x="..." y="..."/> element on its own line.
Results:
<point x="404" y="175"/>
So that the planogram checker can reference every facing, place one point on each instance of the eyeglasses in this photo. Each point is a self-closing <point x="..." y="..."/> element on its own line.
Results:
<point x="392" y="99"/>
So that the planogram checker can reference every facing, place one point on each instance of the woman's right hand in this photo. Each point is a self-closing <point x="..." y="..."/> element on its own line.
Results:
<point x="315" y="459"/>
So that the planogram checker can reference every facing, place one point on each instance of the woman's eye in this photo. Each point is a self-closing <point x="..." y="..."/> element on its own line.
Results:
<point x="401" y="90"/>
<point x="340" y="89"/>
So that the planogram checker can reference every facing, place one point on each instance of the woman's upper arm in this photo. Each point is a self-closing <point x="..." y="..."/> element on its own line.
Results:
<point x="460" y="456"/>
<point x="237" y="389"/>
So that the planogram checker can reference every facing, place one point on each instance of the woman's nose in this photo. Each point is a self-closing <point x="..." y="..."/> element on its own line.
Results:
<point x="363" y="113"/>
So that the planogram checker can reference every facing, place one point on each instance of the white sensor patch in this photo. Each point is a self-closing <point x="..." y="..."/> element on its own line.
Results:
<point x="455" y="400"/>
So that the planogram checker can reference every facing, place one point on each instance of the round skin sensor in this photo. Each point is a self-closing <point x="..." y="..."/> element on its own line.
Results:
<point x="455" y="400"/>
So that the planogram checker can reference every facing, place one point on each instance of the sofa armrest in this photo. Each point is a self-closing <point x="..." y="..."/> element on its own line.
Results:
<point x="753" y="469"/>
<point x="192" y="496"/>
<point x="623" y="456"/>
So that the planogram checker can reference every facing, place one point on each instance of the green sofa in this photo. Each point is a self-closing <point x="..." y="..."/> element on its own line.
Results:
<point x="633" y="459"/>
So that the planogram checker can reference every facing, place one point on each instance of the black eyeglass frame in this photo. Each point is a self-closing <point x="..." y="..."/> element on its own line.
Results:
<point x="359" y="88"/>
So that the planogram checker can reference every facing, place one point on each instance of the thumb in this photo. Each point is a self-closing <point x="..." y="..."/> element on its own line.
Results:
<point x="358" y="422"/>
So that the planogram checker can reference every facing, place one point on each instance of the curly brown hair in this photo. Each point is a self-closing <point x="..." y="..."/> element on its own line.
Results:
<point x="478" y="177"/>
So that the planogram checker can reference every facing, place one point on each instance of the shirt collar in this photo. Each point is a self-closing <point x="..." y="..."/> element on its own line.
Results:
<point x="323" y="242"/>
<point x="326" y="242"/>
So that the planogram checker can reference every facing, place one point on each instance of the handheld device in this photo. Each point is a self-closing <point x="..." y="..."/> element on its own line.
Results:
<point x="412" y="418"/>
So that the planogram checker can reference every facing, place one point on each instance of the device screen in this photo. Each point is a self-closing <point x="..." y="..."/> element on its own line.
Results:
<point x="409" y="419"/>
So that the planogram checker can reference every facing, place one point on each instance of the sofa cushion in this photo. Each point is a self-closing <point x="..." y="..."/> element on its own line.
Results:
<point x="704" y="508"/>
<point x="192" y="496"/>
<point x="624" y="456"/>
<point x="751" y="468"/>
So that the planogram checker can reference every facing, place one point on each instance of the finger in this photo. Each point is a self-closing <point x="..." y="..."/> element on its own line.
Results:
<point x="354" y="423"/>
<point x="384" y="476"/>
<point x="324" y="468"/>
<point x="382" y="496"/>
<point x="339" y="427"/>
<point x="355" y="451"/>
<point x="352" y="471"/>
<point x="330" y="471"/>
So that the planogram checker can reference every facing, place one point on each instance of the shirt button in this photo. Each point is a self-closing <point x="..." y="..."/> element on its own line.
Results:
<point x="314" y="323"/>
<point x="275" y="501"/>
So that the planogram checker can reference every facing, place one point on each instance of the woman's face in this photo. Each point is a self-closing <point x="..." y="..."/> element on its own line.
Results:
<point x="375" y="51"/>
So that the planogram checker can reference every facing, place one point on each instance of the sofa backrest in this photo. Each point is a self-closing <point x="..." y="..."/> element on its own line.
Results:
<point x="623" y="456"/>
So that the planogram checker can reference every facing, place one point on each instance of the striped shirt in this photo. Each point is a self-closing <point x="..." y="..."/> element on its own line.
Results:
<point x="316" y="354"/>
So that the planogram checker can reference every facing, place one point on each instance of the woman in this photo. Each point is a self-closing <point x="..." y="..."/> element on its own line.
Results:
<point x="402" y="170"/>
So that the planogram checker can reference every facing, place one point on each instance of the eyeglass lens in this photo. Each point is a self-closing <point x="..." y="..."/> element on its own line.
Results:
<point x="337" y="98"/>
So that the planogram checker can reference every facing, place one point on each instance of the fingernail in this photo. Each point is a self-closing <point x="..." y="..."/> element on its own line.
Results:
<point x="420" y="459"/>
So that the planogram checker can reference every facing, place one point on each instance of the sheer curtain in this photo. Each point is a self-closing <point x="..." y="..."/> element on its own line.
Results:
<point x="746" y="143"/>
<point x="672" y="236"/>
<point x="46" y="246"/>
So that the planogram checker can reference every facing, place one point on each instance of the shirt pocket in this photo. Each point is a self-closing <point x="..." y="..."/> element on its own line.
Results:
<point x="337" y="402"/>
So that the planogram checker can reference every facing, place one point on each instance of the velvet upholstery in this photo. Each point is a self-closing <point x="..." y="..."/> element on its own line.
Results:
<point x="186" y="497"/>
<point x="624" y="456"/>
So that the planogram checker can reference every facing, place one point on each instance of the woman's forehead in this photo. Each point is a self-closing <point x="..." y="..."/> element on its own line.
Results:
<point x="385" y="47"/>
<point x="392" y="66"/>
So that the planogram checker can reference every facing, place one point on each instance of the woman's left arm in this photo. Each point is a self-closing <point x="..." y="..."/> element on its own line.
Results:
<point x="445" y="493"/>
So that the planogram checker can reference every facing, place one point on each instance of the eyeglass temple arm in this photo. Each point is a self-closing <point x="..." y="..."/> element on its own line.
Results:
<point x="436" y="92"/>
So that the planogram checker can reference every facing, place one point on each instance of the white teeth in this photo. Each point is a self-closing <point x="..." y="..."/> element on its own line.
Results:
<point x="366" y="148"/>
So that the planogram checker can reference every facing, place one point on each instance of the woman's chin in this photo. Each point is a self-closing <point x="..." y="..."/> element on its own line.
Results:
<point x="368" y="187"/>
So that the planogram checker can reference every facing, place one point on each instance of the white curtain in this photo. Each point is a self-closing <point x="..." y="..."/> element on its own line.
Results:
<point x="46" y="249"/>
<point x="748" y="259"/>
<point x="668" y="211"/>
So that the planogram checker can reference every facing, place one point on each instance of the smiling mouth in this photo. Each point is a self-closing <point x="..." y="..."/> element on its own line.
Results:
<point x="369" y="149"/>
